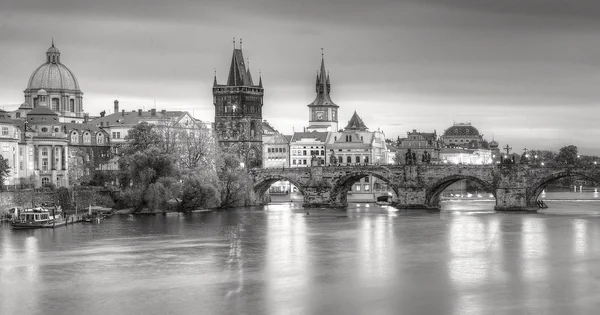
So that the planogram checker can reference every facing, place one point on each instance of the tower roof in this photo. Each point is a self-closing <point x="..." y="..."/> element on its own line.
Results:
<point x="356" y="123"/>
<point x="239" y="75"/>
<point x="323" y="88"/>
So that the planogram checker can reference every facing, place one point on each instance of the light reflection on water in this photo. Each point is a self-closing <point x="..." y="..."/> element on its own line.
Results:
<point x="280" y="259"/>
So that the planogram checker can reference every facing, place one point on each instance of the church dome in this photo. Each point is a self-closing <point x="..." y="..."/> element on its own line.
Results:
<point x="493" y="144"/>
<point x="53" y="75"/>
<point x="461" y="130"/>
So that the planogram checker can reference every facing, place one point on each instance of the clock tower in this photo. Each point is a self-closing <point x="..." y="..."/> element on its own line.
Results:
<point x="323" y="112"/>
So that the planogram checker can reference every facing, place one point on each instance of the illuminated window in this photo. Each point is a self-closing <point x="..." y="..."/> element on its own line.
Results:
<point x="45" y="180"/>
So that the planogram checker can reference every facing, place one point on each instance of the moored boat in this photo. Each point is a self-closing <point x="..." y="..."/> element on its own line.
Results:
<point x="37" y="218"/>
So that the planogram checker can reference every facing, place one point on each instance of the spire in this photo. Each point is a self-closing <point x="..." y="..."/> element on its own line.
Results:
<point x="248" y="74"/>
<point x="215" y="81"/>
<point x="259" y="78"/>
<point x="323" y="87"/>
<point x="52" y="41"/>
<point x="239" y="74"/>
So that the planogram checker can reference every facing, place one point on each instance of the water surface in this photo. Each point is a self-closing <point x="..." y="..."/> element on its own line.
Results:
<point x="276" y="259"/>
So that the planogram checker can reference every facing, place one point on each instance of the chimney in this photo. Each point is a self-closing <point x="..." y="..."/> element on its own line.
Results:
<point x="116" y="106"/>
<point x="123" y="113"/>
<point x="102" y="113"/>
<point x="153" y="112"/>
<point x="139" y="112"/>
<point x="164" y="112"/>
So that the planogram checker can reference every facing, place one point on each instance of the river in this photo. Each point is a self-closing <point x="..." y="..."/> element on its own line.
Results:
<point x="276" y="259"/>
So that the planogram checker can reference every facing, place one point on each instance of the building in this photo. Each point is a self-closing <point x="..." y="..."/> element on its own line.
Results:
<point x="425" y="146"/>
<point x="64" y="95"/>
<point x="238" y="111"/>
<point x="308" y="148"/>
<point x="276" y="148"/>
<point x="463" y="144"/>
<point x="323" y="112"/>
<point x="355" y="144"/>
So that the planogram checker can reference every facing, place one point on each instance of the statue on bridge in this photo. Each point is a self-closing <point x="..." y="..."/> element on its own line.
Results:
<point x="410" y="157"/>
<point x="333" y="161"/>
<point x="426" y="157"/>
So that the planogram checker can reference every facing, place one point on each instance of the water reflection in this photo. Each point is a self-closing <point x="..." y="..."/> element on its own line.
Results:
<point x="279" y="260"/>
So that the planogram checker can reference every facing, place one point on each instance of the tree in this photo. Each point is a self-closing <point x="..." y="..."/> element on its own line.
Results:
<point x="4" y="171"/>
<point x="567" y="155"/>
<point x="235" y="183"/>
<point x="141" y="137"/>
<point x="200" y="189"/>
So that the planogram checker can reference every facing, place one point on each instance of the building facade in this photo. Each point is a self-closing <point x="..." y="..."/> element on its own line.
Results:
<point x="425" y="146"/>
<point x="238" y="112"/>
<point x="276" y="148"/>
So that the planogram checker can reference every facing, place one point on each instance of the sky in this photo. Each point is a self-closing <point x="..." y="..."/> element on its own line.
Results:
<point x="525" y="73"/>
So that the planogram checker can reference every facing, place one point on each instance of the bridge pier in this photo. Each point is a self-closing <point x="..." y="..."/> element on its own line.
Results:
<point x="512" y="199"/>
<point x="412" y="198"/>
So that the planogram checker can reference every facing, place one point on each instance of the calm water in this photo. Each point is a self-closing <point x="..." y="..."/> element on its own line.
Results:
<point x="277" y="260"/>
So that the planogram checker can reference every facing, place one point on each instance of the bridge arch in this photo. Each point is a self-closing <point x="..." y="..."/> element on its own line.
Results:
<point x="535" y="189"/>
<point x="263" y="183"/>
<point x="434" y="191"/>
<point x="339" y="192"/>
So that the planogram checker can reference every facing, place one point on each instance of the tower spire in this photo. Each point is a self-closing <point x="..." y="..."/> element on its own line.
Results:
<point x="259" y="78"/>
<point x="52" y="41"/>
<point x="234" y="42"/>
<point x="240" y="43"/>
<point x="215" y="81"/>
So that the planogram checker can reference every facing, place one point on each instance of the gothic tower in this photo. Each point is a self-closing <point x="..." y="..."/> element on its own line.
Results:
<point x="323" y="111"/>
<point x="238" y="111"/>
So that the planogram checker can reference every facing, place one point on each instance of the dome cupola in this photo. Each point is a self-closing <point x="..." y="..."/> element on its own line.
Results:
<point x="53" y="54"/>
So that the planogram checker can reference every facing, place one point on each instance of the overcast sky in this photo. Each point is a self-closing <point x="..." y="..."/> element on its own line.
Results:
<point x="525" y="71"/>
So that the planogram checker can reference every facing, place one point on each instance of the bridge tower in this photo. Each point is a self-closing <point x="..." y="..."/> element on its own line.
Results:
<point x="238" y="111"/>
<point x="323" y="112"/>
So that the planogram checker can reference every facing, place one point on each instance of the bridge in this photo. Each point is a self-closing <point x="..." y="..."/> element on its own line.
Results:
<point x="515" y="186"/>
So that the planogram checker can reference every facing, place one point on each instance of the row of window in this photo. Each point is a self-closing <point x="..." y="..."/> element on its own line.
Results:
<point x="312" y="152"/>
<point x="349" y="159"/>
<point x="276" y="150"/>
<point x="87" y="137"/>
<point x="56" y="104"/>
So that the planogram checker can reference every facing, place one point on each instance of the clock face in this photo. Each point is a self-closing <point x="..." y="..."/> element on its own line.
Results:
<point x="320" y="115"/>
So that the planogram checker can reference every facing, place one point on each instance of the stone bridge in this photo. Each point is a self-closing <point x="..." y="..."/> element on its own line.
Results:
<point x="515" y="186"/>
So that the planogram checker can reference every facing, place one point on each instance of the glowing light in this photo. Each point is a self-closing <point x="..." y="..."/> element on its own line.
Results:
<point x="542" y="163"/>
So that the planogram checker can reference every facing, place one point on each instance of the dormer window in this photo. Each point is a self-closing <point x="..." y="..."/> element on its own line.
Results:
<point x="44" y="129"/>
<point x="74" y="137"/>
<point x="87" y="137"/>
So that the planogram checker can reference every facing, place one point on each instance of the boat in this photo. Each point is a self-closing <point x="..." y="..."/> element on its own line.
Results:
<point x="384" y="200"/>
<point x="38" y="217"/>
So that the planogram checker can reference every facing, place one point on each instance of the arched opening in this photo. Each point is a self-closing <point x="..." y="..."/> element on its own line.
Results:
<point x="576" y="184"/>
<point x="460" y="192"/>
<point x="278" y="189"/>
<point x="363" y="186"/>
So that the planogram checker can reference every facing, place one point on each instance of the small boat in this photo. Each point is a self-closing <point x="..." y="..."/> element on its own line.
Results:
<point x="38" y="217"/>
<point x="384" y="200"/>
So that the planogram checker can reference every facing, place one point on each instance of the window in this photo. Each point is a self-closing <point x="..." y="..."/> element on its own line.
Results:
<point x="44" y="129"/>
<point x="340" y="160"/>
<point x="4" y="131"/>
<point x="283" y="150"/>
<point x="44" y="152"/>
<point x="21" y="166"/>
<point x="322" y="152"/>
<point x="72" y="105"/>
<point x="99" y="138"/>
<point x="304" y="162"/>
<point x="367" y="179"/>
<point x="367" y="188"/>
<point x="358" y="159"/>
<point x="45" y="180"/>
<point x="366" y="160"/>
<point x="74" y="137"/>
<point x="87" y="137"/>
<point x="349" y="159"/>
<point x="304" y="152"/>
<point x="118" y="135"/>
<point x="5" y="146"/>
<point x="357" y="187"/>
<point x="55" y="105"/>
<point x="294" y="161"/>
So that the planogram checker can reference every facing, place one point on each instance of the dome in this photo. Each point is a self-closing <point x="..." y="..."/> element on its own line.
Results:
<point x="461" y="130"/>
<point x="53" y="76"/>
<point x="493" y="144"/>
<point x="42" y="92"/>
<point x="53" y="50"/>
